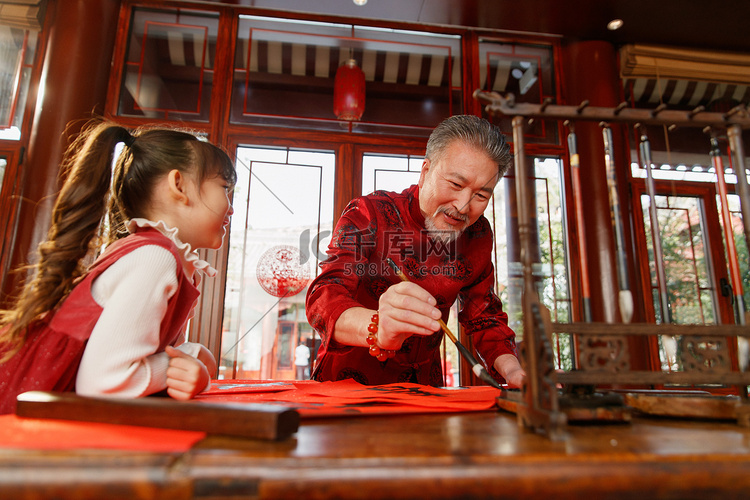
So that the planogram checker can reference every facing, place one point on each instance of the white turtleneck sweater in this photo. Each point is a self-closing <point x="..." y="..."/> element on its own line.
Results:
<point x="120" y="358"/>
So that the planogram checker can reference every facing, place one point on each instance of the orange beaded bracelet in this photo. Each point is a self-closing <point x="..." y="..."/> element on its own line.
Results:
<point x="372" y="341"/>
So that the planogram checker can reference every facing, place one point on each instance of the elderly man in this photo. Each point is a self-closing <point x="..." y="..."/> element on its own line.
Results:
<point x="378" y="329"/>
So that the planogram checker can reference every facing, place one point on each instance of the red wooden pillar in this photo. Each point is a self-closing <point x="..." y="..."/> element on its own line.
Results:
<point x="590" y="73"/>
<point x="73" y="86"/>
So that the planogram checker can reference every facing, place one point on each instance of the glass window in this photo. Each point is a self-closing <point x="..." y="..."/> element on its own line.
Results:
<point x="743" y="256"/>
<point x="284" y="74"/>
<point x="681" y="166"/>
<point x="168" y="72"/>
<point x="389" y="173"/>
<point x="685" y="168"/>
<point x="682" y="153"/>
<point x="550" y="269"/>
<point x="282" y="222"/>
<point x="17" y="48"/>
<point x="689" y="282"/>
<point x="527" y="72"/>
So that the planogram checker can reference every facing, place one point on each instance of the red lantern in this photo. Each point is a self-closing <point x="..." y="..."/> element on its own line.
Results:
<point x="349" y="92"/>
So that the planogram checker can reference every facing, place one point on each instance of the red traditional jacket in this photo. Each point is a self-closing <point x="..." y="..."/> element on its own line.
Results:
<point x="385" y="224"/>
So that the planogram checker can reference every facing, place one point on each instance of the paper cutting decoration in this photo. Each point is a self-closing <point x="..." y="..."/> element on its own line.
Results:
<point x="281" y="271"/>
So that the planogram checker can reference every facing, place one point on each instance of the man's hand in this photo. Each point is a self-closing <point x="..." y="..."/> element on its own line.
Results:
<point x="186" y="375"/>
<point x="509" y="367"/>
<point x="406" y="309"/>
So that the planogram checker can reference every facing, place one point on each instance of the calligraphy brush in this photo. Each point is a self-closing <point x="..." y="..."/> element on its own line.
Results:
<point x="626" y="296"/>
<point x="476" y="366"/>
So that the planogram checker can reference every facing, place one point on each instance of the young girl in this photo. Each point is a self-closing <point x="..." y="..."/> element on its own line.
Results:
<point x="117" y="328"/>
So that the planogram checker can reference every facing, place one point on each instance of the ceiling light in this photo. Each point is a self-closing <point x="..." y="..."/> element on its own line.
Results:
<point x="614" y="24"/>
<point x="359" y="2"/>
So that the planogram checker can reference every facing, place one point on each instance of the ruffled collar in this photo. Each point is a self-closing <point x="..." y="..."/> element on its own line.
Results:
<point x="190" y="260"/>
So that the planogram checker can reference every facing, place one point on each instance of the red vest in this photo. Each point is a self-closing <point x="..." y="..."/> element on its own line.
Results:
<point x="51" y="354"/>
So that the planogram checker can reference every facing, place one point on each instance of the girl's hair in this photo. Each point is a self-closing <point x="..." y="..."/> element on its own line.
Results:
<point x="94" y="193"/>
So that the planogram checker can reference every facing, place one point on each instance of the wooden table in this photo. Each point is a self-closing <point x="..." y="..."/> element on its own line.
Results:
<point x="470" y="455"/>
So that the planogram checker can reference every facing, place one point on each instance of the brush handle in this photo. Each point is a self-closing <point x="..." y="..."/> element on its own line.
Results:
<point x="476" y="366"/>
<point x="447" y="331"/>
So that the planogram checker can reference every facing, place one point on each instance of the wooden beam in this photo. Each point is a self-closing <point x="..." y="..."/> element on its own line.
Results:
<point x="604" y="329"/>
<point x="257" y="421"/>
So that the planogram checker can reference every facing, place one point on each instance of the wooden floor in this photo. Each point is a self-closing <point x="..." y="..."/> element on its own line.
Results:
<point x="473" y="455"/>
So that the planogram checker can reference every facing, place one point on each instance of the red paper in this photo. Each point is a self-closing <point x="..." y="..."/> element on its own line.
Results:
<point x="349" y="398"/>
<point x="48" y="434"/>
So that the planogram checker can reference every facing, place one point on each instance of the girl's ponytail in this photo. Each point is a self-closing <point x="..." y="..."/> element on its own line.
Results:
<point x="76" y="223"/>
<point x="92" y="192"/>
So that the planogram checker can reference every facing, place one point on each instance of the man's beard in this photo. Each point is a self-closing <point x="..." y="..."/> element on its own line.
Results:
<point x="445" y="235"/>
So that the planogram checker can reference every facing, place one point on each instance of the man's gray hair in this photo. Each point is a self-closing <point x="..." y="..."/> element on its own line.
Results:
<point x="474" y="131"/>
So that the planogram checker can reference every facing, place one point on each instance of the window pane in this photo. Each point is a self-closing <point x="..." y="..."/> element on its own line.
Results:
<point x="733" y="201"/>
<point x="690" y="290"/>
<point x="550" y="268"/>
<point x="527" y="72"/>
<point x="17" y="49"/>
<point x="280" y="229"/>
<point x="673" y="166"/>
<point x="284" y="73"/>
<point x="682" y="154"/>
<point x="168" y="71"/>
<point x="680" y="223"/>
<point x="389" y="173"/>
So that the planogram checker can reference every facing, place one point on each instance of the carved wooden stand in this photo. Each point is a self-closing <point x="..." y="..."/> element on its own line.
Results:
<point x="604" y="357"/>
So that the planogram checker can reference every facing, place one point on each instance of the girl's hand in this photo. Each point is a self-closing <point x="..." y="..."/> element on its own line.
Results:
<point x="186" y="375"/>
<point x="205" y="356"/>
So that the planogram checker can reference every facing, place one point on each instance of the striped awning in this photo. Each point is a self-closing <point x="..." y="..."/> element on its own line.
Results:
<point x="683" y="93"/>
<point x="653" y="75"/>
<point x="393" y="66"/>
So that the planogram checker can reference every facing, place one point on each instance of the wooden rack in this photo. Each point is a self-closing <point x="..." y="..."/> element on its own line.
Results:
<point x="661" y="115"/>
<point x="604" y="359"/>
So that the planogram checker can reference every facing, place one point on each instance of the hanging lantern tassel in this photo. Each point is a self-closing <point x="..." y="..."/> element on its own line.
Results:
<point x="349" y="92"/>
